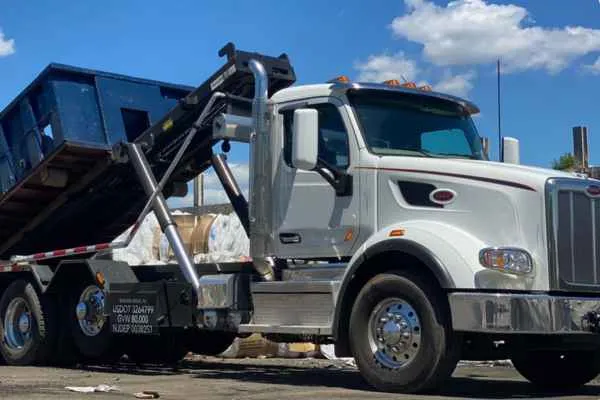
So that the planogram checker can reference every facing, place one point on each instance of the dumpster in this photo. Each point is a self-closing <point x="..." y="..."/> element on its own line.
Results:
<point x="56" y="138"/>
<point x="65" y="104"/>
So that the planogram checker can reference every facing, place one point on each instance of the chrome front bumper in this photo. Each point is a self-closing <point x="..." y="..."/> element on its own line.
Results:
<point x="523" y="313"/>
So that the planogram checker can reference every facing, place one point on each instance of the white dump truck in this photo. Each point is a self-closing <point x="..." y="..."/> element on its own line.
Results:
<point x="376" y="222"/>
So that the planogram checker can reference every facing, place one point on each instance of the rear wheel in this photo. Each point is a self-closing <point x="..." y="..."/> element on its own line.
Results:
<point x="24" y="325"/>
<point x="88" y="323"/>
<point x="555" y="369"/>
<point x="400" y="334"/>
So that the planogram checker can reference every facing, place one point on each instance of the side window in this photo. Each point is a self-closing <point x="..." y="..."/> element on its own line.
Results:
<point x="333" y="138"/>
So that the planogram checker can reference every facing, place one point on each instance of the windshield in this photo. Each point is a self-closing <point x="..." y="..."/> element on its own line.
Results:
<point x="415" y="125"/>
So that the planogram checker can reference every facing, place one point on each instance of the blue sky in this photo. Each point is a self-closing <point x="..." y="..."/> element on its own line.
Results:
<point x="549" y="50"/>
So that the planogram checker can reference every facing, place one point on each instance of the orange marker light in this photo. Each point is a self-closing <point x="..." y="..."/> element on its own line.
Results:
<point x="340" y="79"/>
<point x="100" y="279"/>
<point x="392" y="82"/>
<point x="397" y="233"/>
<point x="349" y="235"/>
<point x="409" y="85"/>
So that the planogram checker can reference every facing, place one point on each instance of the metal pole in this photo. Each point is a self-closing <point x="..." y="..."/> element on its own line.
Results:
<point x="233" y="191"/>
<point x="163" y="215"/>
<point x="201" y="184"/>
<point x="500" y="155"/>
<point x="199" y="191"/>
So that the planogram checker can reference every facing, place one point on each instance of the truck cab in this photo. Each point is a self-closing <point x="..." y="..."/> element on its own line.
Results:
<point x="392" y="183"/>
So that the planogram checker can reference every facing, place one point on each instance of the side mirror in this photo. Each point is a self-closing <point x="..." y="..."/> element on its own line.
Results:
<point x="510" y="150"/>
<point x="305" y="139"/>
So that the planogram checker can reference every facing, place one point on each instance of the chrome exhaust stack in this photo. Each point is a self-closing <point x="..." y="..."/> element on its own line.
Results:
<point x="260" y="181"/>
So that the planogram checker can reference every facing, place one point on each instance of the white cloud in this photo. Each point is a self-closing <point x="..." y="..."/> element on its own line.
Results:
<point x="593" y="68"/>
<point x="458" y="85"/>
<point x="7" y="46"/>
<point x="468" y="32"/>
<point x="381" y="67"/>
<point x="213" y="191"/>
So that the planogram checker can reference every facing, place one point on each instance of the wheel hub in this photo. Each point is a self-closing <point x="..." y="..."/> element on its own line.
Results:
<point x="24" y="323"/>
<point x="90" y="311"/>
<point x="18" y="325"/>
<point x="81" y="311"/>
<point x="394" y="333"/>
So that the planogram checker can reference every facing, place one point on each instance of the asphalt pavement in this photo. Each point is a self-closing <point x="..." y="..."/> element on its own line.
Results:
<point x="269" y="379"/>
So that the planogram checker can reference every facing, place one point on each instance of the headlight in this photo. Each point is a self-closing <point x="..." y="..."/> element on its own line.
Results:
<point x="510" y="260"/>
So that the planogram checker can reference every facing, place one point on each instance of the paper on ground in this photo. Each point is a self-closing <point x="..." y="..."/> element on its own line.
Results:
<point x="92" y="389"/>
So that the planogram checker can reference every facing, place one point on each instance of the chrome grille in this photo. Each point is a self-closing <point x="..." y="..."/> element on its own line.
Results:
<point x="574" y="230"/>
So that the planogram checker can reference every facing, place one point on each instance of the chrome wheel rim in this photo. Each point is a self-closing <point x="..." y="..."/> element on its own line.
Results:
<point x="90" y="311"/>
<point x="394" y="333"/>
<point x="18" y="326"/>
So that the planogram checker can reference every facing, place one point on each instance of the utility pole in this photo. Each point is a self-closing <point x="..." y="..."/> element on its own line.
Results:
<point x="500" y="156"/>
<point x="199" y="191"/>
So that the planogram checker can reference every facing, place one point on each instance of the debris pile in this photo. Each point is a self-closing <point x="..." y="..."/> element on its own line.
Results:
<point x="208" y="237"/>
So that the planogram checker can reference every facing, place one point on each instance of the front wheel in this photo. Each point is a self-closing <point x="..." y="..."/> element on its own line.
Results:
<point x="400" y="334"/>
<point x="558" y="370"/>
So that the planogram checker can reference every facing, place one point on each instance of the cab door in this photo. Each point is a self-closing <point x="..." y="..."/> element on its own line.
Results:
<point x="311" y="220"/>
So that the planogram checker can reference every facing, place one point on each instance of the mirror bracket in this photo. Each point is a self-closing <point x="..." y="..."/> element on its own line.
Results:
<point x="339" y="180"/>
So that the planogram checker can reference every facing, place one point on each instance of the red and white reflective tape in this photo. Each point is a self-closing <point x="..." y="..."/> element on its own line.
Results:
<point x="12" y="267"/>
<point x="62" y="253"/>
<point x="74" y="250"/>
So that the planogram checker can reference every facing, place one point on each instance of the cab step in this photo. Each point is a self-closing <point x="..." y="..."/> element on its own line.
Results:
<point x="294" y="307"/>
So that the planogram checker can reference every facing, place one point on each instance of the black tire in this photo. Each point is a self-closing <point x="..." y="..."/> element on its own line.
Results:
<point x="209" y="343"/>
<point x="38" y="348"/>
<point x="558" y="370"/>
<point x="169" y="348"/>
<point x="435" y="353"/>
<point x="88" y="348"/>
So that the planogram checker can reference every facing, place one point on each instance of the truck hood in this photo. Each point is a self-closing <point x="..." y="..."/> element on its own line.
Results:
<point x="488" y="171"/>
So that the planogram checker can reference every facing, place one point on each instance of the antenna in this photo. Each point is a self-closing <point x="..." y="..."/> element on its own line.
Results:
<point x="500" y="155"/>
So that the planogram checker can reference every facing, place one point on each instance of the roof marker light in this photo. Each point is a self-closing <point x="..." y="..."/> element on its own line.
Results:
<point x="340" y="79"/>
<point x="409" y="85"/>
<point x="392" y="82"/>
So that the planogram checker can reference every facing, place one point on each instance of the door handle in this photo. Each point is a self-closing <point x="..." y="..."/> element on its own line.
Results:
<point x="290" y="238"/>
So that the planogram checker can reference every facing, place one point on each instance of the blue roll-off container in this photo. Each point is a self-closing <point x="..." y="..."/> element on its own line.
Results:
<point x="66" y="104"/>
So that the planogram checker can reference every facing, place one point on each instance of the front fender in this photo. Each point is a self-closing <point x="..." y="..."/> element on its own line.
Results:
<point x="450" y="254"/>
